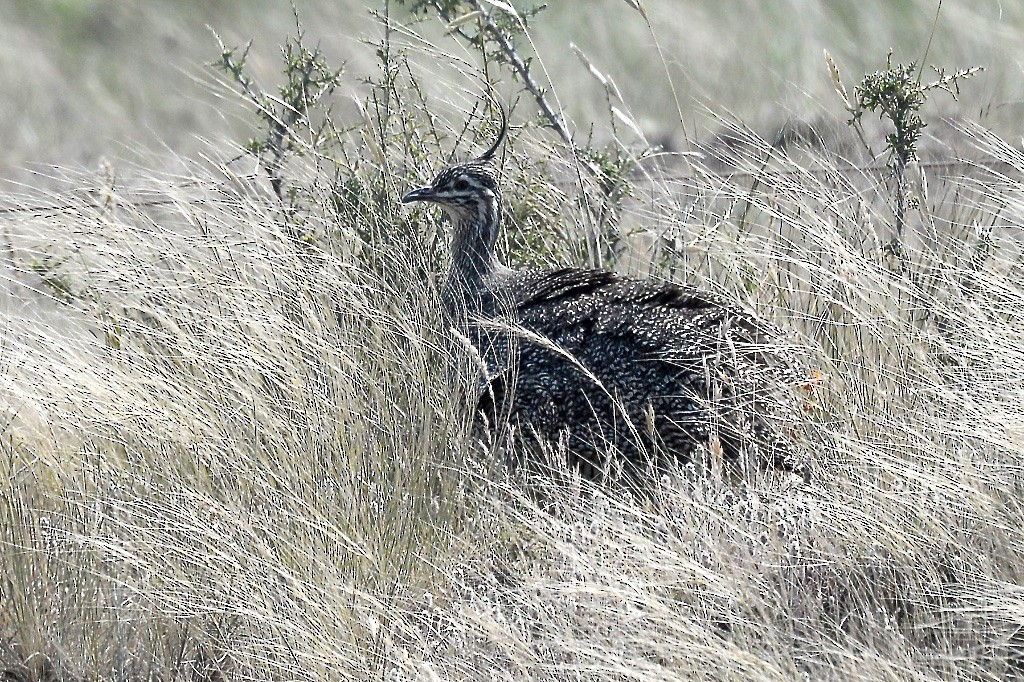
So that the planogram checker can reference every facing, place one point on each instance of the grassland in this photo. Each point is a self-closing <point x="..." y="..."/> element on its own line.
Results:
<point x="229" y="442"/>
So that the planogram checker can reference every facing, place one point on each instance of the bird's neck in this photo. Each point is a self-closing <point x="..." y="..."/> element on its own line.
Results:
<point x="473" y="261"/>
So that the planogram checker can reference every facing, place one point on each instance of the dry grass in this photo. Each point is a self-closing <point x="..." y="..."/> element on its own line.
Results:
<point x="231" y="454"/>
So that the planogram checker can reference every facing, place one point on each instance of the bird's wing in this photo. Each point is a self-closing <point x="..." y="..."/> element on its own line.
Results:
<point x="660" y="317"/>
<point x="603" y="320"/>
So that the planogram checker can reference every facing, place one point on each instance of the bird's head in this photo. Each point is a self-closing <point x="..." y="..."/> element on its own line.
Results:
<point x="468" y="192"/>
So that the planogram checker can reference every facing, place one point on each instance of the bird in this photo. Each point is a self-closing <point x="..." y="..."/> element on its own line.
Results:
<point x="618" y="373"/>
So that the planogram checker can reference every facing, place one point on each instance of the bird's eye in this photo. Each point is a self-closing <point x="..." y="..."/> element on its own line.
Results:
<point x="461" y="185"/>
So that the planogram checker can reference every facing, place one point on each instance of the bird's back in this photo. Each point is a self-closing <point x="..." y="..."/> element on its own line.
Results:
<point x="602" y="363"/>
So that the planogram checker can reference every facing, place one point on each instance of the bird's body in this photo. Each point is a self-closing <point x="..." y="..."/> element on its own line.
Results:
<point x="598" y="363"/>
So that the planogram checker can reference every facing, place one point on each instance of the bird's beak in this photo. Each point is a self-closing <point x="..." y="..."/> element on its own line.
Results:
<point x="421" y="194"/>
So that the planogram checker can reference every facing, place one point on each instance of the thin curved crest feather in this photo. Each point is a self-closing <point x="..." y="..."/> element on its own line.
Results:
<point x="502" y="134"/>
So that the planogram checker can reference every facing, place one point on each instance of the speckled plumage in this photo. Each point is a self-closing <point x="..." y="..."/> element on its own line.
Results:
<point x="602" y="363"/>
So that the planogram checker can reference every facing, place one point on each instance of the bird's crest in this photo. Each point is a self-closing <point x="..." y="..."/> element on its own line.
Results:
<point x="502" y="134"/>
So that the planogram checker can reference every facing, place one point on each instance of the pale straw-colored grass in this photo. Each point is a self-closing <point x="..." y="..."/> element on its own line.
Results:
<point x="235" y="454"/>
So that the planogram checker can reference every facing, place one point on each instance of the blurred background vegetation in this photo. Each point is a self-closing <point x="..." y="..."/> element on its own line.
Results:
<point x="85" y="79"/>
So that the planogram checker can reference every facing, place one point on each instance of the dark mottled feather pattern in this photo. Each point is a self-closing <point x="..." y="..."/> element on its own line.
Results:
<point x="656" y="350"/>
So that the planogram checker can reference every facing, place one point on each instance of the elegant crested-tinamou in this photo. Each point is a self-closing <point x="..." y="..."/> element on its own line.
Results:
<point x="616" y="372"/>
